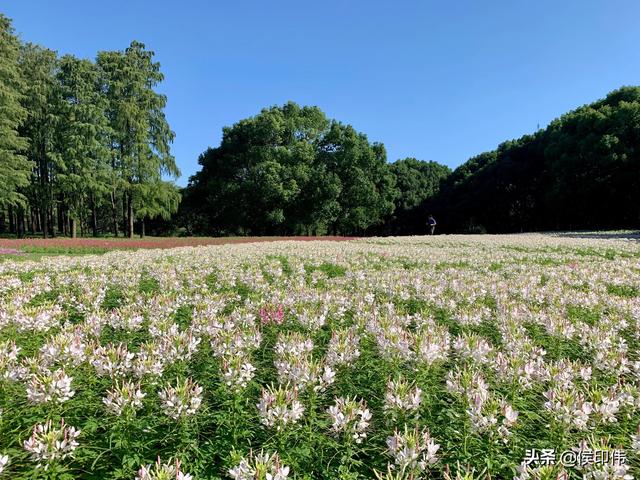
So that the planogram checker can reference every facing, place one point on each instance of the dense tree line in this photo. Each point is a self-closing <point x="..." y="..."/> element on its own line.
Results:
<point x="581" y="172"/>
<point x="84" y="145"/>
<point x="292" y="171"/>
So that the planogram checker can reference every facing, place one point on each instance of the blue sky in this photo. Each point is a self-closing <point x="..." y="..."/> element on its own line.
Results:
<point x="434" y="80"/>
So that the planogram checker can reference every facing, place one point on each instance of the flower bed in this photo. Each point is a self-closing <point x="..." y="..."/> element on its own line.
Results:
<point x="395" y="358"/>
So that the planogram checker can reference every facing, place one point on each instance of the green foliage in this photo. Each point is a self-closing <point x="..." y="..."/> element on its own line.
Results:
<point x="43" y="103"/>
<point x="416" y="181"/>
<point x="289" y="170"/>
<point x="113" y="298"/>
<point x="140" y="135"/>
<point x="15" y="168"/>
<point x="625" y="291"/>
<point x="82" y="142"/>
<point x="82" y="137"/>
<point x="581" y="172"/>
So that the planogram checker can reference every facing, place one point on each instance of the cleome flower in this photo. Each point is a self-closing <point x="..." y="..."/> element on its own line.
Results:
<point x="48" y="444"/>
<point x="124" y="395"/>
<point x="413" y="451"/>
<point x="162" y="471"/>
<point x="273" y="314"/>
<point x="607" y="464"/>
<point x="344" y="347"/>
<point x="296" y="366"/>
<point x="569" y="407"/>
<point x="66" y="348"/>
<point x="402" y="397"/>
<point x="261" y="466"/>
<point x="182" y="400"/>
<point x="9" y="368"/>
<point x="111" y="360"/>
<point x="49" y="387"/>
<point x="351" y="417"/>
<point x="237" y="372"/>
<point x="279" y="406"/>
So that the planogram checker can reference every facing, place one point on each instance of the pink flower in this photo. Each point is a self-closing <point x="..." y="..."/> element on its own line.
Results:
<point x="272" y="314"/>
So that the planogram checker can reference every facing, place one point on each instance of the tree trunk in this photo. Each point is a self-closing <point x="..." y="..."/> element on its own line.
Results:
<point x="73" y="227"/>
<point x="125" y="221"/>
<point x="52" y="223"/>
<point x="129" y="217"/>
<point x="20" y="223"/>
<point x="45" y="223"/>
<point x="83" y="216"/>
<point x="114" y="213"/>
<point x="12" y="223"/>
<point x="94" y="218"/>
<point x="62" y="230"/>
<point x="142" y="228"/>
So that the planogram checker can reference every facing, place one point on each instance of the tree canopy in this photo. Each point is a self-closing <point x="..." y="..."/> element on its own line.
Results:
<point x="82" y="142"/>
<point x="290" y="170"/>
<point x="581" y="172"/>
<point x="85" y="144"/>
<point x="15" y="168"/>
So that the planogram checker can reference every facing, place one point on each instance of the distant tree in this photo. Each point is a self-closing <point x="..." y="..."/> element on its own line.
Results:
<point x="581" y="172"/>
<point x="158" y="199"/>
<point x="289" y="170"/>
<point x="367" y="185"/>
<point x="15" y="168"/>
<point x="42" y="101"/>
<point x="83" y="171"/>
<point x="140" y="135"/>
<point x="416" y="182"/>
<point x="252" y="182"/>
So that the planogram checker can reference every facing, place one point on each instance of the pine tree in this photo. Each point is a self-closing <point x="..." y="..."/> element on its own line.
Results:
<point x="140" y="132"/>
<point x="83" y="172"/>
<point x="43" y="103"/>
<point x="15" y="168"/>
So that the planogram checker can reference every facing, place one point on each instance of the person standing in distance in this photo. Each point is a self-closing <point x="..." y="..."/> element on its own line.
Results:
<point x="431" y="222"/>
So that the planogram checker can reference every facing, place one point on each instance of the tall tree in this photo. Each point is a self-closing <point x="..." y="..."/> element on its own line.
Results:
<point x="253" y="181"/>
<point x="367" y="185"/>
<point x="289" y="170"/>
<point x="15" y="168"/>
<point x="83" y="172"/>
<point x="158" y="199"/>
<point x="140" y="134"/>
<point x="42" y="101"/>
<point x="581" y="172"/>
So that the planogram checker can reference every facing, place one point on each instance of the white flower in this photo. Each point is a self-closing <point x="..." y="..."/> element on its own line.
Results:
<point x="162" y="471"/>
<point x="402" y="396"/>
<point x="48" y="444"/>
<point x="412" y="450"/>
<point x="261" y="466"/>
<point x="182" y="400"/>
<point x="350" y="416"/>
<point x="279" y="406"/>
<point x="49" y="387"/>
<point x="4" y="461"/>
<point x="122" y="396"/>
<point x="237" y="372"/>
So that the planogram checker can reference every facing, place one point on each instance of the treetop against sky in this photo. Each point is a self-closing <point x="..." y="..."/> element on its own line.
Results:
<point x="430" y="80"/>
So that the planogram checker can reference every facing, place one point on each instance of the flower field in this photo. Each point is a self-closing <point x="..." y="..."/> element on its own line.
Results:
<point x="64" y="245"/>
<point x="457" y="357"/>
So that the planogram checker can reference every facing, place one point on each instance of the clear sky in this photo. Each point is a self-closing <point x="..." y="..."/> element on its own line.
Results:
<point x="436" y="80"/>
